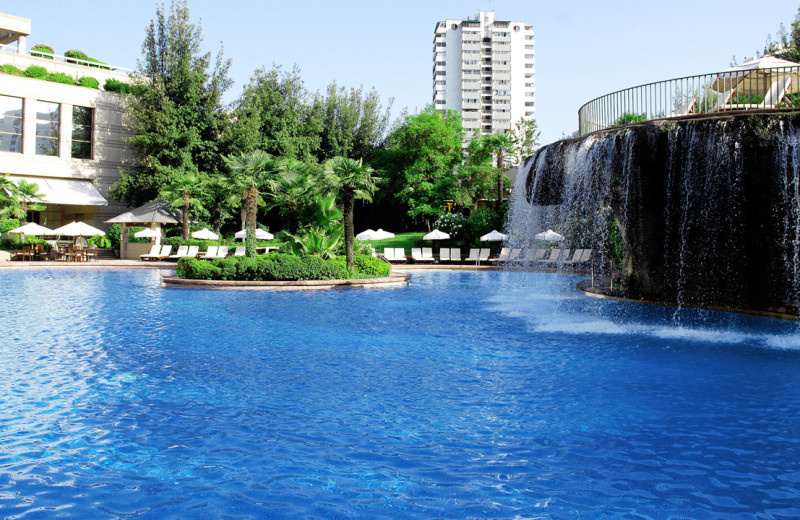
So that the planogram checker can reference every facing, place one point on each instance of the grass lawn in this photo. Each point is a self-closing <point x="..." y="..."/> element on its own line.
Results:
<point x="404" y="240"/>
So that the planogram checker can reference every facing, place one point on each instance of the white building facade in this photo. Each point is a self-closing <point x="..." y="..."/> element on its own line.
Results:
<point x="484" y="69"/>
<point x="69" y="140"/>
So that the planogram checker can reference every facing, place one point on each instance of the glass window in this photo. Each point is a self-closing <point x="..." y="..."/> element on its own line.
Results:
<point x="82" y="132"/>
<point x="47" y="117"/>
<point x="10" y="124"/>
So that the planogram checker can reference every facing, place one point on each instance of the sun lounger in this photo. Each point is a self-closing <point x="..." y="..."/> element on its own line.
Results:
<point x="427" y="254"/>
<point x="193" y="251"/>
<point x="416" y="255"/>
<point x="395" y="254"/>
<point x="776" y="92"/>
<point x="240" y="251"/>
<point x="513" y="256"/>
<point x="576" y="256"/>
<point x="210" y="253"/>
<point x="555" y="256"/>
<point x="153" y="254"/>
<point x="444" y="254"/>
<point x="164" y="253"/>
<point x="533" y="255"/>
<point x="503" y="256"/>
<point x="182" y="252"/>
<point x="483" y="255"/>
<point x="473" y="255"/>
<point x="455" y="254"/>
<point x="222" y="252"/>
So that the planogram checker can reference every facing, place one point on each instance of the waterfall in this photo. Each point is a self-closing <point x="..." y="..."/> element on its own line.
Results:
<point x="708" y="209"/>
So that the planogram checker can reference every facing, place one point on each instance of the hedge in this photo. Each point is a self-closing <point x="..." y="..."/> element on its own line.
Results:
<point x="88" y="82"/>
<point x="36" y="72"/>
<point x="11" y="69"/>
<point x="73" y="53"/>
<point x="276" y="267"/>
<point x="42" y="48"/>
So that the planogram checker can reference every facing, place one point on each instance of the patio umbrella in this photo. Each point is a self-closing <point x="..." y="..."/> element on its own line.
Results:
<point x="381" y="234"/>
<point x="260" y="234"/>
<point x="33" y="229"/>
<point x="147" y="233"/>
<point x="205" y="234"/>
<point x="549" y="236"/>
<point x="436" y="235"/>
<point x="493" y="236"/>
<point x="78" y="229"/>
<point x="366" y="235"/>
<point x="754" y="77"/>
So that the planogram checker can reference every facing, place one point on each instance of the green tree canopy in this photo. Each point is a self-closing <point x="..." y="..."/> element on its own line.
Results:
<point x="176" y="116"/>
<point x="421" y="161"/>
<point x="183" y="192"/>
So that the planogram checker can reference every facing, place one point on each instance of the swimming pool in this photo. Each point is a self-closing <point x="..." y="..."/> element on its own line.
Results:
<point x="464" y="395"/>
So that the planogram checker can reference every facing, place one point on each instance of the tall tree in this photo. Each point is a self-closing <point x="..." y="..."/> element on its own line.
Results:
<point x="525" y="139"/>
<point x="254" y="172"/>
<point x="294" y="189"/>
<point x="274" y="115"/>
<point x="500" y="145"/>
<point x="18" y="199"/>
<point x="183" y="192"/>
<point x="420" y="160"/>
<point x="176" y="115"/>
<point x="220" y="194"/>
<point x="352" y="180"/>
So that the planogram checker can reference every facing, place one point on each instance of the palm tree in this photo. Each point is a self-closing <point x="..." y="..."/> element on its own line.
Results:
<point x="500" y="144"/>
<point x="20" y="198"/>
<point x="253" y="171"/>
<point x="324" y="232"/>
<point x="353" y="181"/>
<point x="182" y="193"/>
<point x="220" y="194"/>
<point x="293" y="189"/>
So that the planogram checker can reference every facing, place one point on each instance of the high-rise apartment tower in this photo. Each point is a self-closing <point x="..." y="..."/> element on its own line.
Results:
<point x="484" y="69"/>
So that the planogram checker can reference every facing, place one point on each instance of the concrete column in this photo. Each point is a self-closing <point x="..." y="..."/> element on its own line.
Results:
<point x="21" y="45"/>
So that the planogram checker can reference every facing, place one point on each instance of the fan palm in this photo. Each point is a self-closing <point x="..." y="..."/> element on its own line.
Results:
<point x="182" y="193"/>
<point x="20" y="198"/>
<point x="500" y="144"/>
<point x="293" y="188"/>
<point x="253" y="171"/>
<point x="352" y="180"/>
<point x="220" y="194"/>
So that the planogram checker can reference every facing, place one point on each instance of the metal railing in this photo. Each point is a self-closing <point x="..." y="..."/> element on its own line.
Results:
<point x="740" y="88"/>
<point x="64" y="59"/>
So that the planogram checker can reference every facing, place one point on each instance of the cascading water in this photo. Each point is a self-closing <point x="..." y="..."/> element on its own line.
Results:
<point x="708" y="209"/>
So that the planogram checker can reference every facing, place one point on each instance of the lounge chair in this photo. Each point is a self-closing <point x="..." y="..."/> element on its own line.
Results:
<point x="193" y="251"/>
<point x="555" y="256"/>
<point x="154" y="250"/>
<point x="455" y="254"/>
<point x="394" y="254"/>
<point x="240" y="251"/>
<point x="416" y="255"/>
<point x="776" y="92"/>
<point x="444" y="254"/>
<point x="427" y="254"/>
<point x="165" y="252"/>
<point x="400" y="254"/>
<point x="210" y="253"/>
<point x="686" y="109"/>
<point x="473" y="255"/>
<point x="222" y="252"/>
<point x="182" y="251"/>
<point x="483" y="255"/>
<point x="503" y="256"/>
<point x="533" y="255"/>
<point x="514" y="255"/>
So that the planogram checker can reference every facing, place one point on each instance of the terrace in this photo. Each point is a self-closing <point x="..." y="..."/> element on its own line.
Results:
<point x="765" y="83"/>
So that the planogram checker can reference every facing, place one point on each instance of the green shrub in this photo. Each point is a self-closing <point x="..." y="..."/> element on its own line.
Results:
<point x="60" y="77"/>
<point x="9" y="243"/>
<point x="195" y="269"/>
<point x="113" y="235"/>
<point x="88" y="82"/>
<point x="482" y="221"/>
<point x="628" y="118"/>
<point x="11" y="69"/>
<point x="228" y="267"/>
<point x="315" y="268"/>
<point x="98" y="64"/>
<point x="8" y="224"/>
<point x="35" y="72"/>
<point x="247" y="268"/>
<point x="73" y="53"/>
<point x="100" y="241"/>
<point x="44" y="51"/>
<point x="114" y="85"/>
<point x="370" y="267"/>
<point x="270" y="267"/>
<point x="454" y="224"/>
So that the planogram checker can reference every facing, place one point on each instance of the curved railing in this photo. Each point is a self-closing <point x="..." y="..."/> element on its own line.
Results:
<point x="739" y="88"/>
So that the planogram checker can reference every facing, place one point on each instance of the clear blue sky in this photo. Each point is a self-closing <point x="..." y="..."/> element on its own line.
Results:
<point x="584" y="49"/>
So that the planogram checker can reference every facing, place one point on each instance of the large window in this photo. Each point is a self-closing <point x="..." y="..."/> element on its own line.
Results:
<point x="10" y="124"/>
<point x="82" y="132"/>
<point x="47" y="117"/>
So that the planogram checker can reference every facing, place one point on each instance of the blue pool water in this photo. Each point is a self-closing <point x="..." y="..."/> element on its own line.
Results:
<point x="464" y="395"/>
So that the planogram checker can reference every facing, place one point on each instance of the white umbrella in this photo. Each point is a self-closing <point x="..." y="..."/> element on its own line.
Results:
<point x="549" y="235"/>
<point x="381" y="234"/>
<point x="366" y="235"/>
<point x="33" y="229"/>
<point x="147" y="233"/>
<point x="81" y="242"/>
<point x="78" y="229"/>
<point x="260" y="234"/>
<point x="205" y="234"/>
<point x="755" y="76"/>
<point x="436" y="235"/>
<point x="493" y="236"/>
